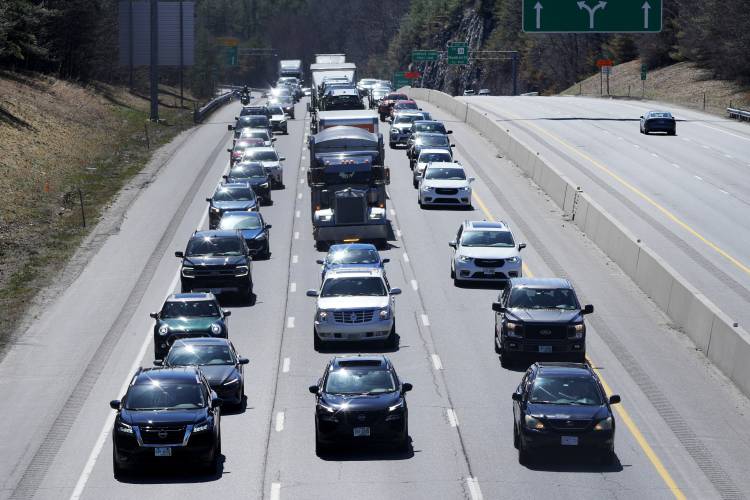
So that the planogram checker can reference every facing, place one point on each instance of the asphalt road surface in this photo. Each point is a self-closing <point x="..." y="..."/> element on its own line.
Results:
<point x="682" y="429"/>
<point x="687" y="196"/>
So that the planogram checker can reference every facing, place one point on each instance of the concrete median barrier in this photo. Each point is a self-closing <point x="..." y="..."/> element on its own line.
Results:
<point x="726" y="345"/>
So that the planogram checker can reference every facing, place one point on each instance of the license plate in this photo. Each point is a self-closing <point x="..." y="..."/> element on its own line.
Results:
<point x="163" y="452"/>
<point x="569" y="440"/>
<point x="361" y="431"/>
<point x="545" y="348"/>
<point x="489" y="273"/>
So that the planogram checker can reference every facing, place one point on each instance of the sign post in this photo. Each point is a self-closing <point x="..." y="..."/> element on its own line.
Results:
<point x="644" y="73"/>
<point x="592" y="16"/>
<point x="458" y="53"/>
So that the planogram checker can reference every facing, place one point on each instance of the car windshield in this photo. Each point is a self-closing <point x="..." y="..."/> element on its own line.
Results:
<point x="158" y="395"/>
<point x="346" y="287"/>
<point x="445" y="173"/>
<point x="543" y="298"/>
<point x="428" y="157"/>
<point x="565" y="390"/>
<point x="261" y="155"/>
<point x="433" y="140"/>
<point x="430" y="127"/>
<point x="248" y="170"/>
<point x="200" y="354"/>
<point x="256" y="134"/>
<point x="359" y="381"/>
<point x="214" y="246"/>
<point x="354" y="256"/>
<point x="405" y="105"/>
<point x="189" y="308"/>
<point x="661" y="115"/>
<point x="239" y="193"/>
<point x="404" y="119"/>
<point x="255" y="121"/>
<point x="245" y="143"/>
<point x="275" y="110"/>
<point x="249" y="221"/>
<point x="487" y="239"/>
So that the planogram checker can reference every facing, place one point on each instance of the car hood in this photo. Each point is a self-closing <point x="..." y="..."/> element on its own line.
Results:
<point x="567" y="412"/>
<point x="358" y="266"/>
<point x="270" y="164"/>
<point x="488" y="252"/>
<point x="357" y="302"/>
<point x="254" y="181"/>
<point x="230" y="260"/>
<point x="234" y="205"/>
<point x="249" y="234"/>
<point x="545" y="315"/>
<point x="163" y="417"/>
<point x="218" y="374"/>
<point x="186" y="324"/>
<point x="361" y="402"/>
<point x="401" y="126"/>
<point x="445" y="183"/>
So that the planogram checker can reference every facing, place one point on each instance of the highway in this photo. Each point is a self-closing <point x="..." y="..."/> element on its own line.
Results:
<point x="683" y="430"/>
<point x="687" y="197"/>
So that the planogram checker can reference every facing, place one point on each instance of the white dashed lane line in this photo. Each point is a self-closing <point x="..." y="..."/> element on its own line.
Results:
<point x="290" y="322"/>
<point x="299" y="196"/>
<point x="295" y="259"/>
<point x="297" y="214"/>
<point x="414" y="285"/>
<point x="452" y="417"/>
<point x="275" y="491"/>
<point x="436" y="362"/>
<point x="285" y="365"/>
<point x="292" y="287"/>
<point x="296" y="235"/>
<point x="698" y="177"/>
<point x="474" y="491"/>
<point x="406" y="257"/>
<point x="280" y="421"/>
<point x="425" y="320"/>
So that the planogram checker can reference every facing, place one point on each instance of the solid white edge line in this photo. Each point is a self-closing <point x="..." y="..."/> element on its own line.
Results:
<point x="452" y="417"/>
<point x="425" y="320"/>
<point x="275" y="491"/>
<point x="436" y="362"/>
<point x="280" y="421"/>
<point x="474" y="491"/>
<point x="285" y="365"/>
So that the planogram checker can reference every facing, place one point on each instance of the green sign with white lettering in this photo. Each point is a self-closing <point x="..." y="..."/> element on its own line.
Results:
<point x="399" y="80"/>
<point x="230" y="54"/>
<point x="458" y="53"/>
<point x="424" y="55"/>
<point x="592" y="16"/>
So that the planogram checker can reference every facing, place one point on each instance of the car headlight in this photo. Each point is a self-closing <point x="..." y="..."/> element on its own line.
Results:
<point x="576" y="331"/>
<point x="323" y="315"/>
<point x="216" y="328"/>
<point x="214" y="210"/>
<point x="124" y="428"/>
<point x="241" y="270"/>
<point x="233" y="381"/>
<point x="264" y="185"/>
<point x="427" y="188"/>
<point x="533" y="423"/>
<point x="326" y="408"/>
<point x="385" y="313"/>
<point x="514" y="329"/>
<point x="201" y="427"/>
<point x="604" y="425"/>
<point x="163" y="330"/>
<point x="464" y="258"/>
<point x="188" y="272"/>
<point x="513" y="260"/>
<point x="465" y="189"/>
<point x="397" y="406"/>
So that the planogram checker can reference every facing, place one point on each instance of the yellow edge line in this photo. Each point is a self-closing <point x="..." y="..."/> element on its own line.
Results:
<point x="641" y="194"/>
<point x="624" y="415"/>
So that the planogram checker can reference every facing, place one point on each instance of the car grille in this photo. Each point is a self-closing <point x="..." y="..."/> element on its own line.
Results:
<point x="562" y="424"/>
<point x="363" y="418"/>
<point x="163" y="435"/>
<point x="350" y="210"/>
<point x="489" y="262"/>
<point x="542" y="332"/>
<point x="446" y="200"/>
<point x="446" y="191"/>
<point x="358" y="316"/>
<point x="213" y="273"/>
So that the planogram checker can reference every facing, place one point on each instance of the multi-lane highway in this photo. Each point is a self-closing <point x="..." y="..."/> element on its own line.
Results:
<point x="683" y="430"/>
<point x="687" y="196"/>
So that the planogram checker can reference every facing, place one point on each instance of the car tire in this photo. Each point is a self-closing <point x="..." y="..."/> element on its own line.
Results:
<point x="321" y="449"/>
<point x="405" y="443"/>
<point x="317" y="343"/>
<point x="118" y="471"/>
<point x="672" y="132"/>
<point x="247" y="294"/>
<point x="453" y="273"/>
<point x="506" y="359"/>
<point x="498" y="349"/>
<point x="645" y="130"/>
<point x="392" y="145"/>
<point x="524" y="456"/>
<point x="515" y="436"/>
<point x="415" y="184"/>
<point x="391" y="342"/>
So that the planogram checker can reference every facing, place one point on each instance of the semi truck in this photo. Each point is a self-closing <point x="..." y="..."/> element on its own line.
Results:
<point x="347" y="182"/>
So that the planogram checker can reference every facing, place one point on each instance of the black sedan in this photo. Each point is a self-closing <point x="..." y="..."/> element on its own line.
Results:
<point x="254" y="174"/>
<point x="658" y="121"/>
<point x="253" y="229"/>
<point x="219" y="362"/>
<point x="563" y="406"/>
<point x="237" y="196"/>
<point x="167" y="414"/>
<point x="360" y="399"/>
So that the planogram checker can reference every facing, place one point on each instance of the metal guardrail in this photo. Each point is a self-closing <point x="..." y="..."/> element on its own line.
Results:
<point x="231" y="91"/>
<point x="740" y="114"/>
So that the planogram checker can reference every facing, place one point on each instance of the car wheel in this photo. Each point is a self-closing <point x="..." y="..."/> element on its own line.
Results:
<point x="321" y="449"/>
<point x="672" y="132"/>
<point x="498" y="349"/>
<point x="415" y="184"/>
<point x="515" y="436"/>
<point x="453" y="273"/>
<point x="247" y="294"/>
<point x="118" y="470"/>
<point x="645" y="130"/>
<point x="392" y="145"/>
<point x="391" y="342"/>
<point x="403" y="445"/>
<point x="506" y="359"/>
<point x="317" y="343"/>
<point x="524" y="456"/>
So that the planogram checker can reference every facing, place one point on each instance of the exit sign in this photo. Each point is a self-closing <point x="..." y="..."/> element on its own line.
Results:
<point x="592" y="16"/>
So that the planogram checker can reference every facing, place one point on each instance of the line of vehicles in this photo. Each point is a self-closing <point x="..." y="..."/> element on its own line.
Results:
<point x="174" y="409"/>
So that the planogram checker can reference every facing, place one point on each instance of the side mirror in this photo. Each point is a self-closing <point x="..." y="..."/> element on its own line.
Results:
<point x="225" y="177"/>
<point x="226" y="313"/>
<point x="312" y="293"/>
<point x="268" y="226"/>
<point x="516" y="396"/>
<point x="243" y="361"/>
<point x="587" y="309"/>
<point x="614" y="399"/>
<point x="420" y="109"/>
<point x="273" y="139"/>
<point x="115" y="404"/>
<point x="521" y="246"/>
<point x="282" y="158"/>
<point x="472" y="179"/>
<point x="395" y="291"/>
<point x="158" y="362"/>
<point x="448" y="132"/>
<point x="208" y="200"/>
<point x="230" y="127"/>
<point x="313" y="389"/>
<point x="453" y="145"/>
<point x="229" y="150"/>
<point x="154" y="315"/>
<point x="319" y="261"/>
<point x="641" y="117"/>
<point x="216" y="402"/>
<point x="236" y="118"/>
<point x="498" y="307"/>
<point x="452" y="244"/>
<point x="386" y="261"/>
<point x="179" y="254"/>
<point x="406" y="387"/>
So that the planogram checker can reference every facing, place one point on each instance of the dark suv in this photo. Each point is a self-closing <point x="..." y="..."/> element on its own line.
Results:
<point x="231" y="197"/>
<point x="167" y="414"/>
<point x="217" y="262"/>
<point x="563" y="405"/>
<point x="536" y="317"/>
<point x="360" y="399"/>
<point x="188" y="315"/>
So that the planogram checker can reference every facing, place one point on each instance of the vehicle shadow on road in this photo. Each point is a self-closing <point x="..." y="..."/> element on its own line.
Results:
<point x="481" y="285"/>
<point x="571" y="461"/>
<point x="353" y="453"/>
<point x="373" y="347"/>
<point x="172" y="474"/>
<point x="237" y="301"/>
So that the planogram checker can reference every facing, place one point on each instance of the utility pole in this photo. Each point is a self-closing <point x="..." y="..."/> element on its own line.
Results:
<point x="514" y="70"/>
<point x="130" y="44"/>
<point x="154" y="61"/>
<point x="182" y="53"/>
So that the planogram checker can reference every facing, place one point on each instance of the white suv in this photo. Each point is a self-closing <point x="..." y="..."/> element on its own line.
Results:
<point x="355" y="305"/>
<point x="485" y="251"/>
<point x="445" y="184"/>
<point x="426" y="156"/>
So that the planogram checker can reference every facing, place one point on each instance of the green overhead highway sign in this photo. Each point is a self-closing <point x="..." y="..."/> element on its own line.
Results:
<point x="400" y="80"/>
<point x="458" y="53"/>
<point x="592" y="16"/>
<point x="230" y="54"/>
<point x="424" y="55"/>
